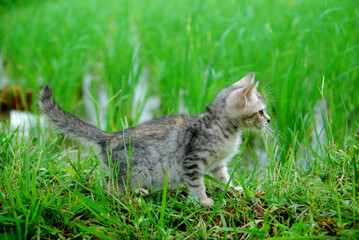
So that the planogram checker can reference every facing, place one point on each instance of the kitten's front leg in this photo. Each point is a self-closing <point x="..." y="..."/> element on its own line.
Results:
<point x="193" y="178"/>
<point x="221" y="173"/>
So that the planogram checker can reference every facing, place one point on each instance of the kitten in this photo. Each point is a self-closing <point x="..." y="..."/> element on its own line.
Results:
<point x="185" y="146"/>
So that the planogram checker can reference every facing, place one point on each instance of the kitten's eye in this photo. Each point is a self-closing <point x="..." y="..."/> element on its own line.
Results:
<point x="261" y="113"/>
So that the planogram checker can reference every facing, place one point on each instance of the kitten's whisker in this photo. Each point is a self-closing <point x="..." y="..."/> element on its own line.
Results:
<point x="276" y="132"/>
<point x="275" y="135"/>
<point x="271" y="134"/>
<point x="268" y="136"/>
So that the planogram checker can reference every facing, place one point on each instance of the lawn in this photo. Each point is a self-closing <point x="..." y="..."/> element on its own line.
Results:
<point x="107" y="61"/>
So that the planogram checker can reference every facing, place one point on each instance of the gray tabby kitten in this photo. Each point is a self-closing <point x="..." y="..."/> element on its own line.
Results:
<point x="185" y="146"/>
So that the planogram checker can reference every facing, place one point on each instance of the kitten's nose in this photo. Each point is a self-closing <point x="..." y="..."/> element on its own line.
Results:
<point x="268" y="119"/>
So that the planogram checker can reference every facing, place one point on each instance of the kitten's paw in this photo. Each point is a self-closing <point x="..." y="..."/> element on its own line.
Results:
<point x="207" y="202"/>
<point x="141" y="191"/>
<point x="238" y="189"/>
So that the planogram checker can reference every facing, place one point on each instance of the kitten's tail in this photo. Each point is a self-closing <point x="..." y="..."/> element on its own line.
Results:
<point x="67" y="123"/>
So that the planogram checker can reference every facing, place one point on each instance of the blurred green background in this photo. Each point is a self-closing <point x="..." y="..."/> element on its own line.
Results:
<point x="184" y="52"/>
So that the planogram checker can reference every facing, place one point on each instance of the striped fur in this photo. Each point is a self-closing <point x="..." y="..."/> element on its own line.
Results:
<point x="185" y="146"/>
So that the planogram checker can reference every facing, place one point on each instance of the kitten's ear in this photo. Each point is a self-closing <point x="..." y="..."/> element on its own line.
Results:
<point x="245" y="81"/>
<point x="250" y="89"/>
<point x="239" y="97"/>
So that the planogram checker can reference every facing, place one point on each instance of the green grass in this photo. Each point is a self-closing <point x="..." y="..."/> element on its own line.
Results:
<point x="301" y="52"/>
<point x="49" y="190"/>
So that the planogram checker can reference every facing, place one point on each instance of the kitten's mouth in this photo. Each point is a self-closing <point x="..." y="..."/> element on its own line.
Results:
<point x="260" y="127"/>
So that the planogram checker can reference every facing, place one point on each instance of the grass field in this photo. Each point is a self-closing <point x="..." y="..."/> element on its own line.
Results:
<point x="304" y="54"/>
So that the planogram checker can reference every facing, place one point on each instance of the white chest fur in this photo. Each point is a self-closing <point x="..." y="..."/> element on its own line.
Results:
<point x="225" y="151"/>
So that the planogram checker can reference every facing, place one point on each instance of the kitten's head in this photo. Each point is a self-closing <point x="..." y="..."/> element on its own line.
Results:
<point x="242" y="104"/>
